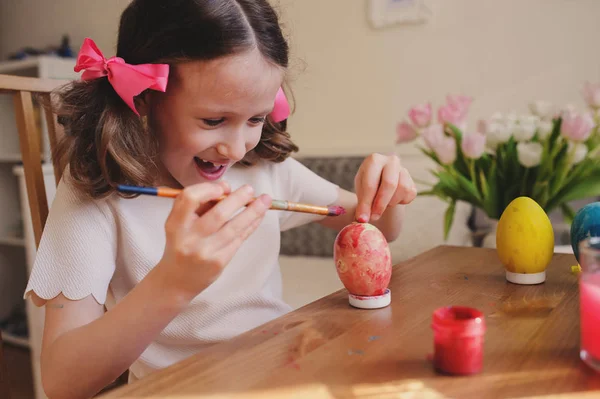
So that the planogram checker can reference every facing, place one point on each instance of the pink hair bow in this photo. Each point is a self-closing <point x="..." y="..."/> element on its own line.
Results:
<point x="281" y="109"/>
<point x="127" y="80"/>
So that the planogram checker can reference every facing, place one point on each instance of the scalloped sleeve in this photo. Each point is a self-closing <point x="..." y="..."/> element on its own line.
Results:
<point x="77" y="252"/>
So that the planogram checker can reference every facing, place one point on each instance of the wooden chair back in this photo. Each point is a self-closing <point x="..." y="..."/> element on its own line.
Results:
<point x="22" y="90"/>
<point x="30" y="139"/>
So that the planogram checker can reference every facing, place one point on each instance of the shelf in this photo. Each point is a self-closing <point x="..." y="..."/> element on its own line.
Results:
<point x="12" y="66"/>
<point x="47" y="169"/>
<point x="14" y="241"/>
<point x="17" y="65"/>
<point x="10" y="158"/>
<point x="14" y="340"/>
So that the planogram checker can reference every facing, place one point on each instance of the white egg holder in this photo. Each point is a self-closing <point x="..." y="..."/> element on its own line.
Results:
<point x="371" y="302"/>
<point x="526" y="278"/>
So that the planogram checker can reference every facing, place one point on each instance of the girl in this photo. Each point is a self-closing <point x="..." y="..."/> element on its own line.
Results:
<point x="141" y="283"/>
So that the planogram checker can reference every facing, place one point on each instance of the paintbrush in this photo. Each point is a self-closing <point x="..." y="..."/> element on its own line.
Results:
<point x="280" y="205"/>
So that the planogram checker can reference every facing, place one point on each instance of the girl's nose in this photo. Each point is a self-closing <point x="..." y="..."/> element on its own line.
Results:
<point x="234" y="148"/>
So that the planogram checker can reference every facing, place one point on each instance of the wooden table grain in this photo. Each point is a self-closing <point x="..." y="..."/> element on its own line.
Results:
<point x="329" y="350"/>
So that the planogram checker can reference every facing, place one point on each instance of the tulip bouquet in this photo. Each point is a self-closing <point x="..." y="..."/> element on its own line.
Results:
<point x="549" y="155"/>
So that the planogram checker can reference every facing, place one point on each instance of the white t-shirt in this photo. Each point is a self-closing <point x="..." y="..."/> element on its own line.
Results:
<point x="105" y="247"/>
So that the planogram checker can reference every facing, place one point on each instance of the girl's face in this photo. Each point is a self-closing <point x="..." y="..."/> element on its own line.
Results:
<point x="212" y="114"/>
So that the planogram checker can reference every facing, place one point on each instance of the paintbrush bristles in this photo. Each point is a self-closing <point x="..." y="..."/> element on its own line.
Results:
<point x="336" y="210"/>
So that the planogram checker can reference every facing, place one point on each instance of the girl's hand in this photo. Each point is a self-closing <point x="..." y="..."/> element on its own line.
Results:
<point x="202" y="237"/>
<point x="381" y="182"/>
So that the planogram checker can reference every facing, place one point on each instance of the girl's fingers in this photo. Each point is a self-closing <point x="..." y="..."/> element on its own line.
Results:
<point x="238" y="229"/>
<point x="408" y="190"/>
<point x="187" y="204"/>
<point x="221" y="213"/>
<point x="367" y="183"/>
<point x="388" y="185"/>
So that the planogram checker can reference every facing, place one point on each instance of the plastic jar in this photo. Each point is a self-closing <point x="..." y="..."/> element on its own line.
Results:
<point x="458" y="340"/>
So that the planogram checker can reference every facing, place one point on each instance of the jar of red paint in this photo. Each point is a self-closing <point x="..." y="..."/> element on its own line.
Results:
<point x="458" y="340"/>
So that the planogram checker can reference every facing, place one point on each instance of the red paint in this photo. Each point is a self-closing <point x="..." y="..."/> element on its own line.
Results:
<point x="336" y="210"/>
<point x="458" y="340"/>
<point x="350" y="236"/>
<point x="363" y="260"/>
<point x="356" y="232"/>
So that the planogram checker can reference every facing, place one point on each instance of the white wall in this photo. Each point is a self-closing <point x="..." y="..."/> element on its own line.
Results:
<point x="352" y="83"/>
<point x="358" y="81"/>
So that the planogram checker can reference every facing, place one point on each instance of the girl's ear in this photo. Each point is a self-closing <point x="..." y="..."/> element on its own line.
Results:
<point x="142" y="102"/>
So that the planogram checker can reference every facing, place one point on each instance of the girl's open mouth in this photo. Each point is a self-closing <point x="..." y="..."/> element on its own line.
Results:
<point x="209" y="170"/>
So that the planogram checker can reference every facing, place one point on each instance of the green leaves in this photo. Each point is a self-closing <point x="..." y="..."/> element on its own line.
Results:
<point x="449" y="218"/>
<point x="578" y="189"/>
<point x="494" y="180"/>
<point x="470" y="189"/>
<point x="490" y="199"/>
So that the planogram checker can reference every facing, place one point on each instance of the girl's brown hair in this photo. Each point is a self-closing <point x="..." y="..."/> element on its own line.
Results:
<point x="105" y="143"/>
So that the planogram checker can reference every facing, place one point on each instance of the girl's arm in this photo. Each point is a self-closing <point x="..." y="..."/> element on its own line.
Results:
<point x="85" y="349"/>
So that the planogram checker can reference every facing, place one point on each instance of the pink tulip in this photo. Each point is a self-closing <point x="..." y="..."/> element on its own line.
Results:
<point x="451" y="114"/>
<point x="405" y="132"/>
<point x="455" y="111"/>
<point x="461" y="102"/>
<point x="420" y="115"/>
<point x="591" y="94"/>
<point x="473" y="145"/>
<point x="443" y="146"/>
<point x="446" y="150"/>
<point x="576" y="127"/>
<point x="433" y="135"/>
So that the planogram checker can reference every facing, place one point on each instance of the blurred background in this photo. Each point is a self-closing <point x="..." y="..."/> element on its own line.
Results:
<point x="358" y="66"/>
<point x="354" y="82"/>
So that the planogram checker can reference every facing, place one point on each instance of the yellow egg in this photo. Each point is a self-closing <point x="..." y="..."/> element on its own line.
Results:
<point x="524" y="237"/>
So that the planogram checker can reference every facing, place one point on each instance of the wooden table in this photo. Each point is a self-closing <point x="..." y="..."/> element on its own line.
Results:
<point x="330" y="350"/>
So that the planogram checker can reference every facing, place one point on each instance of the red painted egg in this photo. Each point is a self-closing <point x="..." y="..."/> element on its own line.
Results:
<point x="363" y="260"/>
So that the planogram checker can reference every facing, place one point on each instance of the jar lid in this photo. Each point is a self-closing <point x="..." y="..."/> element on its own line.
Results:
<point x="459" y="320"/>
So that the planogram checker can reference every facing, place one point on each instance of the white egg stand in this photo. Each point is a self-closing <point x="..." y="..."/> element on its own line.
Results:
<point x="536" y="278"/>
<point x="526" y="278"/>
<point x="371" y="302"/>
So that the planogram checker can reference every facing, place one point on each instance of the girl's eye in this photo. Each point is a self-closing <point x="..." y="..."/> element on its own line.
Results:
<point x="213" y="122"/>
<point x="257" y="120"/>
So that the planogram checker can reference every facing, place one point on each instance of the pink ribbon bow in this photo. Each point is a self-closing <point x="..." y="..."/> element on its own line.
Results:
<point x="127" y="80"/>
<point x="281" y="109"/>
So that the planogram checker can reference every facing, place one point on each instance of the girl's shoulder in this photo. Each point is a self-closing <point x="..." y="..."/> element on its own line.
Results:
<point x="265" y="172"/>
<point x="69" y="199"/>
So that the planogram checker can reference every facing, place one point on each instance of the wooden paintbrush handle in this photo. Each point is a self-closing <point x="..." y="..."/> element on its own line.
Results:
<point x="275" y="204"/>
